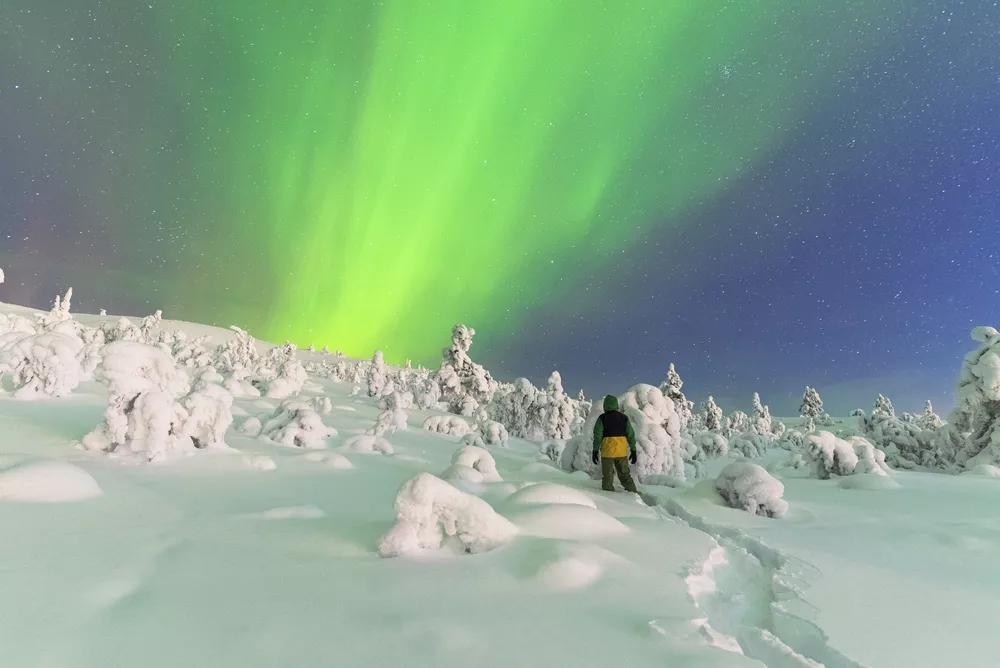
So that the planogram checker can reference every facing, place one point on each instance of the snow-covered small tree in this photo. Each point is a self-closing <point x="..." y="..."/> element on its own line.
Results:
<point x="60" y="312"/>
<point x="238" y="356"/>
<point x="288" y="376"/>
<point x="657" y="432"/>
<point x="883" y="408"/>
<point x="736" y="423"/>
<point x="711" y="415"/>
<point x="671" y="388"/>
<point x="377" y="378"/>
<point x="977" y="413"/>
<point x="152" y="412"/>
<point x="812" y="405"/>
<point x="762" y="423"/>
<point x="465" y="385"/>
<point x="43" y="365"/>
<point x="512" y="405"/>
<point x="297" y="422"/>
<point x="149" y="327"/>
<point x="929" y="419"/>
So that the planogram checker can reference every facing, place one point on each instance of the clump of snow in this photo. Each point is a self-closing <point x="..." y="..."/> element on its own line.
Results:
<point x="262" y="463"/>
<point x="252" y="426"/>
<point x="152" y="411"/>
<point x="334" y="460"/>
<point x="295" y="422"/>
<point x="550" y="493"/>
<point x="746" y="486"/>
<point x="985" y="470"/>
<point x="428" y="509"/>
<point x="47" y="481"/>
<point x="43" y="365"/>
<point x="447" y="424"/>
<point x="478" y="459"/>
<point x="368" y="444"/>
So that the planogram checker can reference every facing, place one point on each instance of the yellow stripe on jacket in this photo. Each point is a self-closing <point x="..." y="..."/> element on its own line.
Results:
<point x="614" y="446"/>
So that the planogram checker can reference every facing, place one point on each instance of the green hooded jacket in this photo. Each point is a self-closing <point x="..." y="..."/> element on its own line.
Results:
<point x="611" y="404"/>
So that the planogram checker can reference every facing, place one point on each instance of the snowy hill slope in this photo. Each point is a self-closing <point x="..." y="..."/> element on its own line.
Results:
<point x="266" y="555"/>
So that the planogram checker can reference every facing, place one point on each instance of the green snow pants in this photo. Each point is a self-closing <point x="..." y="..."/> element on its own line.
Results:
<point x="619" y="465"/>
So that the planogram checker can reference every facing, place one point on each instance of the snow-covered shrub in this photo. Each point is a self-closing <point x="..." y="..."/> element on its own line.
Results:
<point x="552" y="413"/>
<point x="152" y="412"/>
<point x="428" y="509"/>
<point x="446" y="424"/>
<point x="123" y="330"/>
<point x="737" y="422"/>
<point x="977" y="413"/>
<point x="906" y="444"/>
<point x="465" y="385"/>
<point x="832" y="456"/>
<point x="711" y="415"/>
<point x="883" y="408"/>
<point x="189" y="352"/>
<point x="295" y="422"/>
<point x="711" y="443"/>
<point x="792" y="440"/>
<point x="493" y="433"/>
<point x="288" y="375"/>
<point x="694" y="458"/>
<point x="16" y="324"/>
<point x="746" y="486"/>
<point x="43" y="365"/>
<point x="252" y="426"/>
<point x="238" y="356"/>
<point x="750" y="444"/>
<point x="671" y="388"/>
<point x="657" y="432"/>
<point x="553" y="450"/>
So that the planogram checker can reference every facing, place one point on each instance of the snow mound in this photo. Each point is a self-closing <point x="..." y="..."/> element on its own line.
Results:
<point x="550" y="493"/>
<point x="332" y="459"/>
<point x="428" y="509"/>
<point x="665" y="481"/>
<point x="571" y="567"/>
<point x="447" y="424"/>
<point x="296" y="423"/>
<point x="568" y="522"/>
<point x="986" y="470"/>
<point x="252" y="426"/>
<point x="47" y="481"/>
<point x="368" y="444"/>
<point x="746" y="486"/>
<point x="478" y="459"/>
<point x="870" y="481"/>
<point x="261" y="463"/>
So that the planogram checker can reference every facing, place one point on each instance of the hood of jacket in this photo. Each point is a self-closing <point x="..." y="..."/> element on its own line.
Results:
<point x="610" y="403"/>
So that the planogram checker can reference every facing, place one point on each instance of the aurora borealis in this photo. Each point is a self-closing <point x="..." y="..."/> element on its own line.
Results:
<point x="748" y="189"/>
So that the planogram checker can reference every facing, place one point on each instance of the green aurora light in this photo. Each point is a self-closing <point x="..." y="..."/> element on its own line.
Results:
<point x="415" y="163"/>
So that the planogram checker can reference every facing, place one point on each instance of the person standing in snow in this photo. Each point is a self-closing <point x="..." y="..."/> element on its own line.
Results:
<point x="614" y="445"/>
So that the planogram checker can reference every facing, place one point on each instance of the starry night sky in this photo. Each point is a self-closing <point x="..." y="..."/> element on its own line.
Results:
<point x="768" y="194"/>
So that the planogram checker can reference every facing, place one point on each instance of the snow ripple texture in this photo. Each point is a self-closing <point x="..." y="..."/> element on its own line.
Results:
<point x="745" y="590"/>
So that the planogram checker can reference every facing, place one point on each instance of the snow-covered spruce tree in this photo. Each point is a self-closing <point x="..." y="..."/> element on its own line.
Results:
<point x="761" y="423"/>
<point x="711" y="415"/>
<point x="376" y="378"/>
<point x="152" y="412"/>
<point x="737" y="422"/>
<point x="551" y="413"/>
<point x="883" y="408"/>
<point x="238" y="358"/>
<point x="812" y="405"/>
<point x="123" y="330"/>
<point x="191" y="353"/>
<point x="671" y="388"/>
<point x="976" y="416"/>
<point x="149" y="327"/>
<point x="465" y="385"/>
<point x="511" y="406"/>
<point x="60" y="312"/>
<point x="929" y="419"/>
<point x="43" y="365"/>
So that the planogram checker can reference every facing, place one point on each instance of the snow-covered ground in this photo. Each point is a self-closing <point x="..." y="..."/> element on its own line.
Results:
<point x="267" y="555"/>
